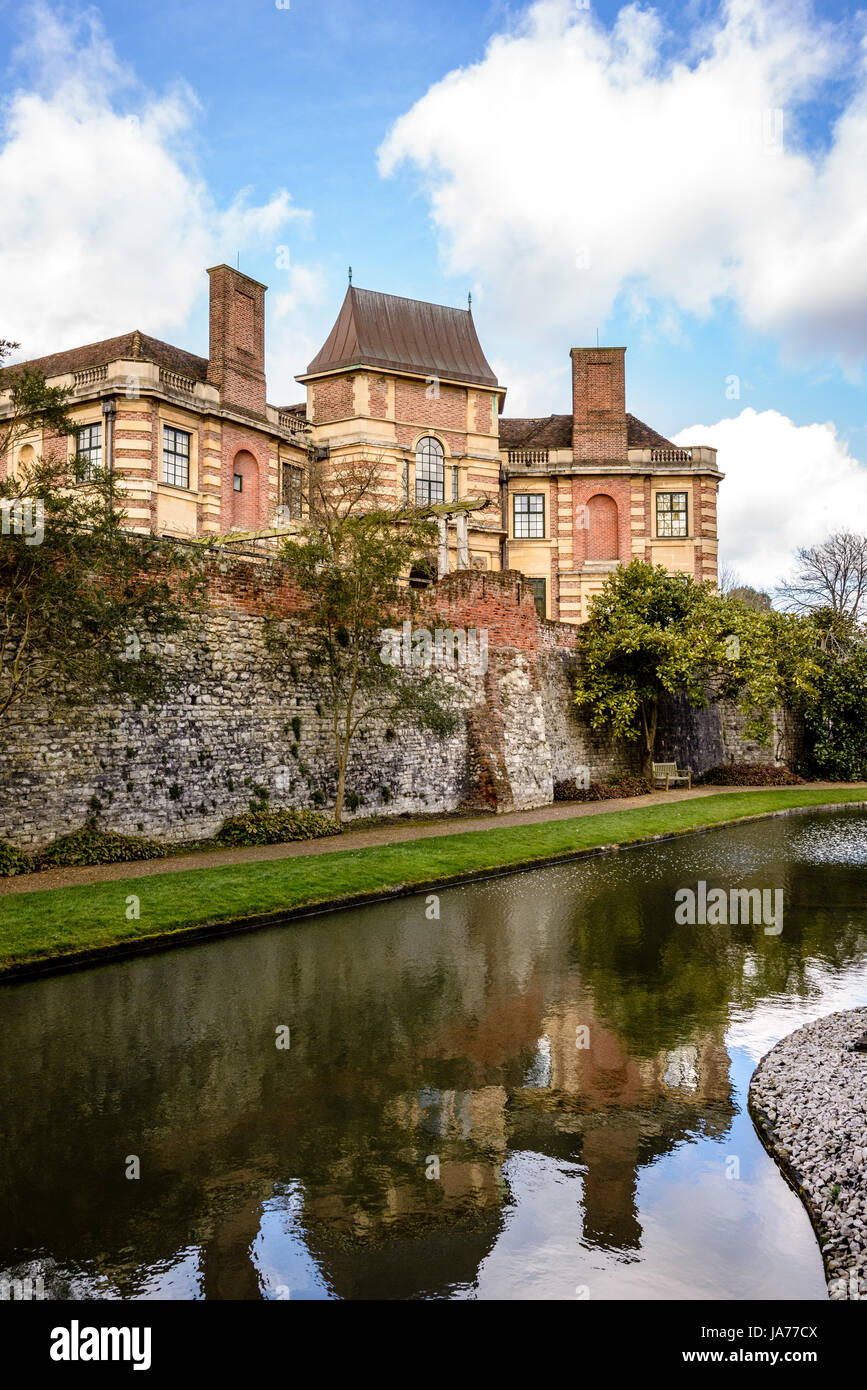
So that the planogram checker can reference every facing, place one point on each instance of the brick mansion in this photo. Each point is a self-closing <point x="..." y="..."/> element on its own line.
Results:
<point x="564" y="498"/>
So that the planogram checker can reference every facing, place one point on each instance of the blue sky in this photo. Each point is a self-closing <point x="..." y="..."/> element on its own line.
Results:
<point x="442" y="147"/>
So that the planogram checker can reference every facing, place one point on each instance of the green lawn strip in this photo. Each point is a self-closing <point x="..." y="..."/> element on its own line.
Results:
<point x="53" y="923"/>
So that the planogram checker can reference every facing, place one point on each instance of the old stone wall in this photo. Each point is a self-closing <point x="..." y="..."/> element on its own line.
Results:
<point x="716" y="735"/>
<point x="240" y="723"/>
<point x="576" y="749"/>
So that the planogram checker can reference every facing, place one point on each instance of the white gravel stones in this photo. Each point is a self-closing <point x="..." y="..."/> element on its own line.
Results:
<point x="808" y="1100"/>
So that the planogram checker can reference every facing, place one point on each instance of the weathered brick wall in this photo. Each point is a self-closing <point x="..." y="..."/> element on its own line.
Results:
<point x="498" y="600"/>
<point x="333" y="399"/>
<point x="378" y="397"/>
<point x="251" y="507"/>
<point x="435" y="406"/>
<point x="236" y="361"/>
<point x="609" y="535"/>
<point x="599" y="403"/>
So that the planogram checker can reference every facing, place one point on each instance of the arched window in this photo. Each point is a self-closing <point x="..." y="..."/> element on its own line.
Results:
<point x="602" y="541"/>
<point x="430" y="471"/>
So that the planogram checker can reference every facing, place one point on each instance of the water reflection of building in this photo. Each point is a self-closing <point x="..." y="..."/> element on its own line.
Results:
<point x="426" y="1042"/>
<point x="599" y="1106"/>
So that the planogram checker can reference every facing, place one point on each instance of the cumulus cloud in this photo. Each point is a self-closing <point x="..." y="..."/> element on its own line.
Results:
<point x="575" y="167"/>
<point x="786" y="485"/>
<point x="105" y="224"/>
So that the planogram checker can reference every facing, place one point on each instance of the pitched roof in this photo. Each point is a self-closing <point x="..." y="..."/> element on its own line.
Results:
<point x="641" y="436"/>
<point x="403" y="335"/>
<point x="555" y="432"/>
<point x="549" y="432"/>
<point x="135" y="346"/>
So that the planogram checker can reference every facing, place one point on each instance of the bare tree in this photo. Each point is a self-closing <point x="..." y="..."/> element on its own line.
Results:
<point x="727" y="577"/>
<point x="831" y="575"/>
<point x="347" y="486"/>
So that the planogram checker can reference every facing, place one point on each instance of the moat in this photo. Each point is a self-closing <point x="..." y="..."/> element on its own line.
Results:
<point x="540" y="1094"/>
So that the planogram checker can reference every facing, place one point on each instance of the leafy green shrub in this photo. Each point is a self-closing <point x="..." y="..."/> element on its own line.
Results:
<point x="749" y="775"/>
<point x="92" y="845"/>
<point x="13" y="860"/>
<point x="274" y="827"/>
<point x="836" y="722"/>
<point x="617" y="786"/>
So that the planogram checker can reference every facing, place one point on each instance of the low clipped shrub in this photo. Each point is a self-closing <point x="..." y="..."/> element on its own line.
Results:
<point x="93" y="845"/>
<point x="13" y="861"/>
<point x="268" y="826"/>
<point x="617" y="786"/>
<point x="749" y="775"/>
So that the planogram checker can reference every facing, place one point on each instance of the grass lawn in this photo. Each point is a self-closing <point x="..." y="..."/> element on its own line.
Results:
<point x="65" y="923"/>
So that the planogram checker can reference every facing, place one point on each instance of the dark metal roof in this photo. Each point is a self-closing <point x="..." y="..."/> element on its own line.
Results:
<point x="403" y="335"/>
<point x="135" y="346"/>
<point x="555" y="432"/>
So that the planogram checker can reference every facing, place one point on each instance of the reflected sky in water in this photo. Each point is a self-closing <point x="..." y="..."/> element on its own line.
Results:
<point x="438" y="1129"/>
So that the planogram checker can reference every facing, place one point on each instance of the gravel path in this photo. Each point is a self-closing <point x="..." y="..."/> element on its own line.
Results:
<point x="391" y="832"/>
<point x="808" y="1100"/>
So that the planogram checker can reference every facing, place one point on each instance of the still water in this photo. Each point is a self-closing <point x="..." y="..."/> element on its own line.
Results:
<point x="435" y="1129"/>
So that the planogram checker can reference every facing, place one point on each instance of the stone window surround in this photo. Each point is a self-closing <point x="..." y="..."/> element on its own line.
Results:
<point x="177" y="420"/>
<point x="654" y="519"/>
<point x="528" y="515"/>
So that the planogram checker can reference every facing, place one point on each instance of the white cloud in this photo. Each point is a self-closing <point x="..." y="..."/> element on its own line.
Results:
<point x="306" y="288"/>
<point x="786" y="485"/>
<point x="301" y="313"/>
<point x="528" y="390"/>
<point x="105" y="224"/>
<point x="686" y="179"/>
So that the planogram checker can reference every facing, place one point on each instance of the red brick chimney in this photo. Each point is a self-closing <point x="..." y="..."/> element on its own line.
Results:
<point x="236" y="356"/>
<point x="599" y="404"/>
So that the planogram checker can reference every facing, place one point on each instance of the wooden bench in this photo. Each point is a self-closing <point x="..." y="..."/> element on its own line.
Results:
<point x="670" y="775"/>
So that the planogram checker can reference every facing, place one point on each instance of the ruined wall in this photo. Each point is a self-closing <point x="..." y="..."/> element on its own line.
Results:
<point x="711" y="737"/>
<point x="176" y="769"/>
<point x="240" y="723"/>
<point x="573" y="744"/>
